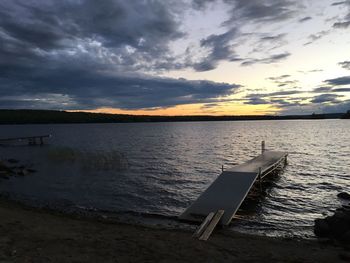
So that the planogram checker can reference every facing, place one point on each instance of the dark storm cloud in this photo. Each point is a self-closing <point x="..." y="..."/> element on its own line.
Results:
<point x="219" y="49"/>
<point x="327" y="97"/>
<point x="116" y="23"/>
<point x="79" y="55"/>
<point x="89" y="90"/>
<point x="133" y="34"/>
<point x="339" y="81"/>
<point x="345" y="64"/>
<point x="269" y="60"/>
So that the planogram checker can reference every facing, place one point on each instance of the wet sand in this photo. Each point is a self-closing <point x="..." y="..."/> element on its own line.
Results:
<point x="32" y="235"/>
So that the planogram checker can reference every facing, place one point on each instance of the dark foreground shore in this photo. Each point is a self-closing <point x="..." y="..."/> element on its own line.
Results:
<point x="29" y="235"/>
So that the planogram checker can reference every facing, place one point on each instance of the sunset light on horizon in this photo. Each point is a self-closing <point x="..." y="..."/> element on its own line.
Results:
<point x="199" y="57"/>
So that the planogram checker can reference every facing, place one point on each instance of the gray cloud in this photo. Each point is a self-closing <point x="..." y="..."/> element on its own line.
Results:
<point x="344" y="24"/>
<point x="345" y="64"/>
<point x="314" y="37"/>
<point x="219" y="49"/>
<point x="341" y="90"/>
<point x="274" y="94"/>
<point x="273" y="37"/>
<point x="278" y="78"/>
<point x="310" y="71"/>
<point x="254" y="10"/>
<point x="256" y="101"/>
<point x="327" y="97"/>
<point x="345" y="21"/>
<point x="269" y="60"/>
<point x="262" y="10"/>
<point x="305" y="19"/>
<point x="339" y="81"/>
<point x="282" y="80"/>
<point x="322" y="89"/>
<point x="338" y="3"/>
<point x="335" y="108"/>
<point x="241" y="13"/>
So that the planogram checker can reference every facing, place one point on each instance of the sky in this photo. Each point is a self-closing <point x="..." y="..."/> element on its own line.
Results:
<point x="176" y="57"/>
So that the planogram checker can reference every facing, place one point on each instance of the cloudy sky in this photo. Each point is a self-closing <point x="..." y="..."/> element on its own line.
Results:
<point x="222" y="57"/>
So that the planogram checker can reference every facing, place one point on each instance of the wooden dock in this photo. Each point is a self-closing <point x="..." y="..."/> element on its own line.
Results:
<point x="230" y="189"/>
<point x="30" y="140"/>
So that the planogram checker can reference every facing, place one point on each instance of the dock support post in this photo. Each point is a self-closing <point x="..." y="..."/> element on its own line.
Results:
<point x="222" y="168"/>
<point x="262" y="147"/>
<point x="260" y="183"/>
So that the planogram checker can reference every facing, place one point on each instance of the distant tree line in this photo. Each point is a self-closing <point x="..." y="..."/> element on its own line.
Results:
<point x="50" y="116"/>
<point x="347" y="115"/>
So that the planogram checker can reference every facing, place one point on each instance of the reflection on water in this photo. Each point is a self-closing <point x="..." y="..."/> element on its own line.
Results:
<point x="160" y="168"/>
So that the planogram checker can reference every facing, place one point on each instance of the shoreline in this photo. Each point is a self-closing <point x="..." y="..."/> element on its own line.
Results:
<point x="29" y="234"/>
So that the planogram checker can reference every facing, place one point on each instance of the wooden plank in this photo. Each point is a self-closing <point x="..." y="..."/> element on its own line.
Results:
<point x="204" y="225"/>
<point x="207" y="232"/>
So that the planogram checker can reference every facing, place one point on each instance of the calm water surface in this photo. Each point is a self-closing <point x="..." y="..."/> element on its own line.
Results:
<point x="161" y="168"/>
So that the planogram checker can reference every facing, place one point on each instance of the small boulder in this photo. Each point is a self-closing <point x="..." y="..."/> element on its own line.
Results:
<point x="338" y="227"/>
<point x="321" y="228"/>
<point x="344" y="195"/>
<point x="4" y="168"/>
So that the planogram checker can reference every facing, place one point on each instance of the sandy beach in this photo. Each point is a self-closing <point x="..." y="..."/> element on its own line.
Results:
<point x="32" y="235"/>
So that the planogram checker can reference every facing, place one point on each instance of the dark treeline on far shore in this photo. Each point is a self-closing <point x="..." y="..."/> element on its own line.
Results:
<point x="50" y="116"/>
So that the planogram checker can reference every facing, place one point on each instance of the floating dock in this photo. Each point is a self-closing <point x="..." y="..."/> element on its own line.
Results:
<point x="230" y="189"/>
<point x="31" y="140"/>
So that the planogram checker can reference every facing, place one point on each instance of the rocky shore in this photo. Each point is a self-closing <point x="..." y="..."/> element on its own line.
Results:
<point x="32" y="235"/>
<point x="13" y="167"/>
<point x="337" y="226"/>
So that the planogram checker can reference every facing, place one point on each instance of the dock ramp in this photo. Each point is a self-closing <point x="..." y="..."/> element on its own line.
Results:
<point x="229" y="190"/>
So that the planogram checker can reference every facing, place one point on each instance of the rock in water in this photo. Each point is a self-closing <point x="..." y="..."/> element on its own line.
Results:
<point x="12" y="161"/>
<point x="4" y="168"/>
<point x="344" y="195"/>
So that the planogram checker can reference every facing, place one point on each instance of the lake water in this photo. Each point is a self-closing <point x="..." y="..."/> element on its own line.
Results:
<point x="161" y="168"/>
